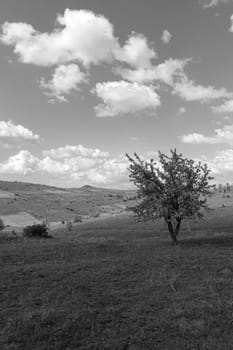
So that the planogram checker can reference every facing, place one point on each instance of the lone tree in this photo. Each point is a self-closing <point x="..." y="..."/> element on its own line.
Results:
<point x="173" y="190"/>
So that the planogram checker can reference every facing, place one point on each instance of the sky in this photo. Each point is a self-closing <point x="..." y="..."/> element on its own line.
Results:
<point x="83" y="82"/>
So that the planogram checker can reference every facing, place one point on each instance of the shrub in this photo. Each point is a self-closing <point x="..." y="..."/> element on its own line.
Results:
<point x="36" y="230"/>
<point x="69" y="226"/>
<point x="77" y="218"/>
<point x="2" y="226"/>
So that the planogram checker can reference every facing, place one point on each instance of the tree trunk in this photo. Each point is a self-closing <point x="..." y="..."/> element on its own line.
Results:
<point x="174" y="231"/>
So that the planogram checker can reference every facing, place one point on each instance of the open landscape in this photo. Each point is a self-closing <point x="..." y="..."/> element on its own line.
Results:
<point x="23" y="204"/>
<point x="116" y="283"/>
<point x="116" y="175"/>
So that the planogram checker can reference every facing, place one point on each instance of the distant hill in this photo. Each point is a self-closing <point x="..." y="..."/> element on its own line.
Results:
<point x="89" y="188"/>
<point x="14" y="186"/>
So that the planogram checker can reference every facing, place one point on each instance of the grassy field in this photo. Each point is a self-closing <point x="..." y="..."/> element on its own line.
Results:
<point x="117" y="284"/>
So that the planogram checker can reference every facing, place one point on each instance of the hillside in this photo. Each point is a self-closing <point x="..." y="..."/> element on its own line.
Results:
<point x="25" y="203"/>
<point x="56" y="205"/>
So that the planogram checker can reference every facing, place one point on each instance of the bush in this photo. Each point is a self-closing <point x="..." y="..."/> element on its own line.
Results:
<point x="77" y="219"/>
<point x="36" y="230"/>
<point x="2" y="226"/>
<point x="69" y="226"/>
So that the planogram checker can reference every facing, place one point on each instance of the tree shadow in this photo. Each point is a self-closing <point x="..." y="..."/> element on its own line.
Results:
<point x="221" y="240"/>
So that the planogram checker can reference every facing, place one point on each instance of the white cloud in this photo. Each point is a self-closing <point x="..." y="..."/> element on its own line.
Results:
<point x="222" y="165"/>
<point x="121" y="97"/>
<point x="65" y="79"/>
<point x="83" y="37"/>
<point x="74" y="151"/>
<point x="189" y="91"/>
<point x="21" y="163"/>
<point x="212" y="3"/>
<point x="224" y="135"/>
<point x="70" y="165"/>
<point x="196" y="138"/>
<point x="164" y="72"/>
<point x="227" y="119"/>
<point x="166" y="36"/>
<point x="136" y="52"/>
<point x="79" y="35"/>
<point x="12" y="135"/>
<point x="181" y="110"/>
<point x="170" y="69"/>
<point x="9" y="129"/>
<point x="226" y="107"/>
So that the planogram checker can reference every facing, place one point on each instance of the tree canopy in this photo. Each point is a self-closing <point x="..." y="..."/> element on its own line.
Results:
<point x="173" y="189"/>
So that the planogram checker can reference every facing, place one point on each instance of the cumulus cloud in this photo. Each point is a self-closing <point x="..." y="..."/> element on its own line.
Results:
<point x="181" y="110"/>
<point x="221" y="165"/>
<point x="79" y="35"/>
<point x="75" y="151"/>
<point x="213" y="3"/>
<point x="71" y="165"/>
<point x="226" y="107"/>
<point x="223" y="135"/>
<point x="189" y="91"/>
<point x="166" y="37"/>
<point x="16" y="135"/>
<point x="164" y="72"/>
<point x="21" y="163"/>
<point x="136" y="52"/>
<point x="65" y="79"/>
<point x="121" y="97"/>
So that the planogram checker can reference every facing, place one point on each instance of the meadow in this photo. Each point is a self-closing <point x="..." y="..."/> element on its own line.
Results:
<point x="119" y="284"/>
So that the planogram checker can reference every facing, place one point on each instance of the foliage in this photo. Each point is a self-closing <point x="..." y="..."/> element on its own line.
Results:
<point x="77" y="219"/>
<point x="69" y="226"/>
<point x="2" y="226"/>
<point x="174" y="189"/>
<point x="36" y="230"/>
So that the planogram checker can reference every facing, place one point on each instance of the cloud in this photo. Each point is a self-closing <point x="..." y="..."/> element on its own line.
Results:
<point x="181" y="110"/>
<point x="65" y="79"/>
<point x="79" y="35"/>
<point x="212" y="3"/>
<point x="75" y="151"/>
<point x="224" y="135"/>
<point x="136" y="52"/>
<point x="121" y="97"/>
<point x="71" y="165"/>
<point x="221" y="165"/>
<point x="189" y="91"/>
<point x="164" y="72"/>
<point x="166" y="37"/>
<point x="21" y="163"/>
<point x="226" y="107"/>
<point x="16" y="135"/>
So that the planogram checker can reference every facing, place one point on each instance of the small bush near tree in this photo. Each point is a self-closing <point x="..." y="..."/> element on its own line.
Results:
<point x="2" y="226"/>
<point x="36" y="230"/>
<point x="175" y="189"/>
<point x="69" y="226"/>
<point x="77" y="219"/>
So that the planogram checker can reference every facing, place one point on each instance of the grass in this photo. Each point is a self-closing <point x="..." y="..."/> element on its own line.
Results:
<point x="115" y="284"/>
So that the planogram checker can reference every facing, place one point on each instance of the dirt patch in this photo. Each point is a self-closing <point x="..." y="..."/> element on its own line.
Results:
<point x="6" y="194"/>
<point x="21" y="219"/>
